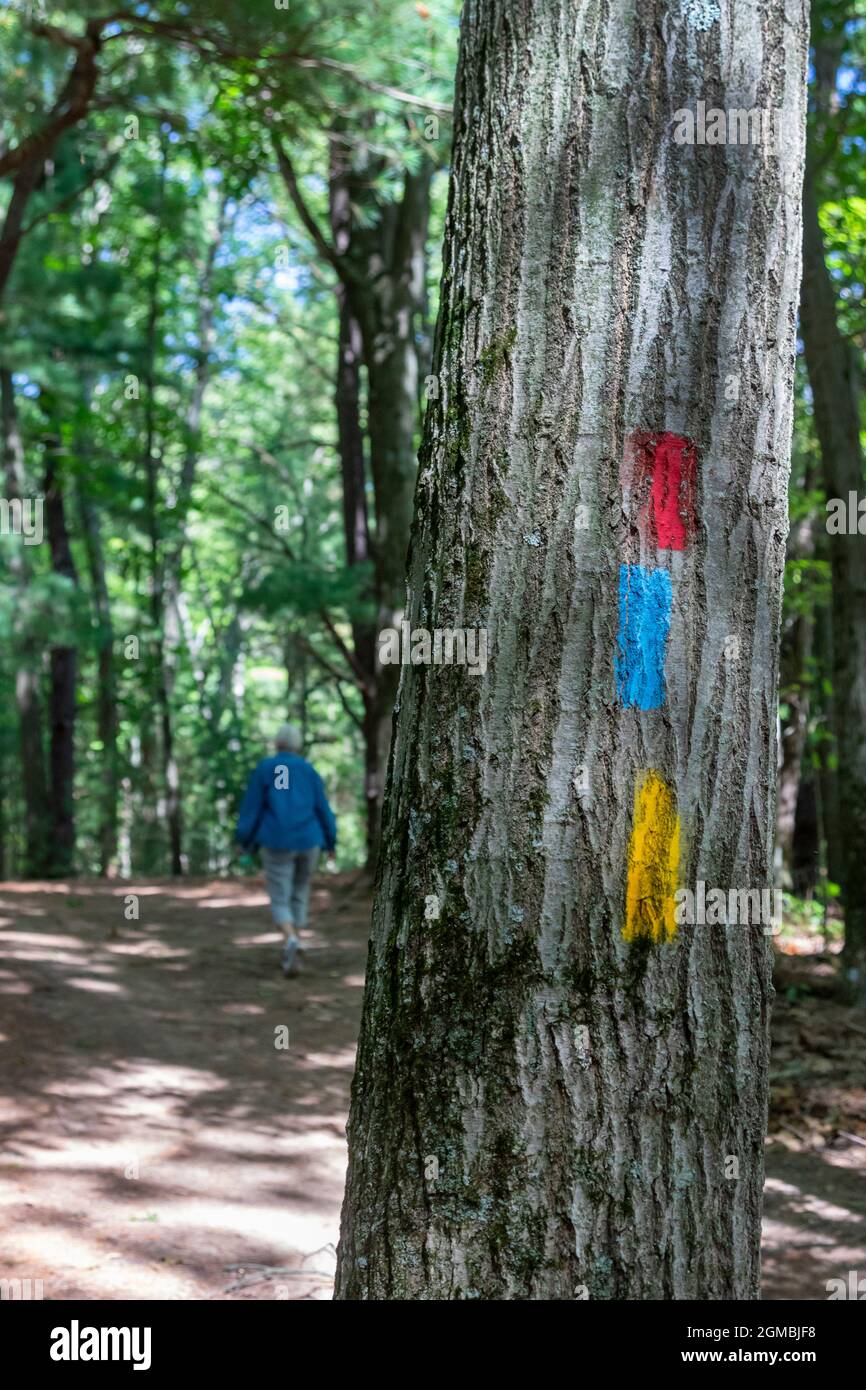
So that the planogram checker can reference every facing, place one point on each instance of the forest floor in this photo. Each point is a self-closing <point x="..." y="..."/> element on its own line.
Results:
<point x="156" y="1142"/>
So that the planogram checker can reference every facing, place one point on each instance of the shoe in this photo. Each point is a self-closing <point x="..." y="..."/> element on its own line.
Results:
<point x="290" y="956"/>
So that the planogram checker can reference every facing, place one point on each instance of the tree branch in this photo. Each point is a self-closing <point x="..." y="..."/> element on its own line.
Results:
<point x="325" y="617"/>
<point x="320" y="241"/>
<point x="345" y="70"/>
<point x="72" y="103"/>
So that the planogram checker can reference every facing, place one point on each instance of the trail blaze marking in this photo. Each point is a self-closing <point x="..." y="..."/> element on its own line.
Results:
<point x="659" y="482"/>
<point x="644" y="618"/>
<point x="653" y="862"/>
<point x="661" y="470"/>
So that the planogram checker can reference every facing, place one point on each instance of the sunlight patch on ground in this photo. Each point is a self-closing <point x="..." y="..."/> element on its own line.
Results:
<point x="43" y="941"/>
<point x="156" y="1135"/>
<point x="146" y="946"/>
<point x="96" y="986"/>
<point x="251" y="900"/>
<point x="808" y="1202"/>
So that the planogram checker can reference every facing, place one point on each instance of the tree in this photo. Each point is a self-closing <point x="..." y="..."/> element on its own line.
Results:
<point x="64" y="671"/>
<point x="561" y="1089"/>
<point x="106" y="677"/>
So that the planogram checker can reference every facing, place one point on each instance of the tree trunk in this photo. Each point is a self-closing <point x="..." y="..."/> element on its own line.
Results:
<point x="343" y="191"/>
<point x="393" y="255"/>
<point x="832" y="377"/>
<point x="172" y="566"/>
<point x="27" y="698"/>
<point x="155" y="757"/>
<point x="810" y="837"/>
<point x="64" y="677"/>
<point x="794" y="692"/>
<point x="106" y="683"/>
<point x="395" y="269"/>
<point x="381" y="298"/>
<point x="827" y="811"/>
<point x="560" y="1089"/>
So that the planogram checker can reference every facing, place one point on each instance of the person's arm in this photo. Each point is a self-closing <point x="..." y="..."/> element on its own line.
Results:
<point x="251" y="811"/>
<point x="324" y="814"/>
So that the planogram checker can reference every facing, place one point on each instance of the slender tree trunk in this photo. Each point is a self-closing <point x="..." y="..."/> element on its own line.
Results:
<point x="153" y="806"/>
<point x="832" y="377"/>
<point x="381" y="303"/>
<point x="810" y="836"/>
<point x="794" y="692"/>
<point x="395" y="265"/>
<point x="171" y="570"/>
<point x="560" y="1088"/>
<point x="4" y="859"/>
<point x="106" y="683"/>
<point x="377" y="701"/>
<point x="343" y="191"/>
<point x="828" y="811"/>
<point x="64" y="677"/>
<point x="34" y="782"/>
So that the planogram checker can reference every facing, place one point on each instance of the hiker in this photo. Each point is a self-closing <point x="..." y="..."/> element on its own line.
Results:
<point x="286" y="812"/>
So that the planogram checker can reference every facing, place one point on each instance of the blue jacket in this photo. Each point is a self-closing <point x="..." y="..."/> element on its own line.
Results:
<point x="296" y="816"/>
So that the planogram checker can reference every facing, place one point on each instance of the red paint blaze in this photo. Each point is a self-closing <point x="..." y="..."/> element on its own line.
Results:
<point x="661" y="470"/>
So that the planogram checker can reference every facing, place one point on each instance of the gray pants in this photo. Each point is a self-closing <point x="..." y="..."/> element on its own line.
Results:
<point x="288" y="875"/>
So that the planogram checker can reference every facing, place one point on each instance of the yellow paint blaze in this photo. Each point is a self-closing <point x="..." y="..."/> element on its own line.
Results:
<point x="653" y="862"/>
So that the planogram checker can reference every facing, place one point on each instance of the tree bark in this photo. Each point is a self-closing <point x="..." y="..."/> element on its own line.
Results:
<point x="832" y="377"/>
<point x="551" y="1094"/>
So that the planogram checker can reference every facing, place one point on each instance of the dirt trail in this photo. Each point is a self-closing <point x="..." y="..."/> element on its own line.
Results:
<point x="151" y="1131"/>
<point x="155" y="1143"/>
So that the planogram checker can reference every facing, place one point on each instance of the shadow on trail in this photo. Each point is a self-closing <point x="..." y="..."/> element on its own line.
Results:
<point x="152" y="1134"/>
<point x="152" y="1130"/>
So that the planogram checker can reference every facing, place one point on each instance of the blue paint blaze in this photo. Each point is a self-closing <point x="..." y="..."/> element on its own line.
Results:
<point x="644" y="620"/>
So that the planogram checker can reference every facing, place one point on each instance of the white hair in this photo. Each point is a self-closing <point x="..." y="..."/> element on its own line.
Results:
<point x="288" y="737"/>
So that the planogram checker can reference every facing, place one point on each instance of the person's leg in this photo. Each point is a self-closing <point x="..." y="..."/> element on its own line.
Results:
<point x="289" y="922"/>
<point x="305" y="865"/>
<point x="279" y="873"/>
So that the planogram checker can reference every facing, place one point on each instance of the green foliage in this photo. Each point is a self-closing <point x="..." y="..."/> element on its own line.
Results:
<point x="101" y="326"/>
